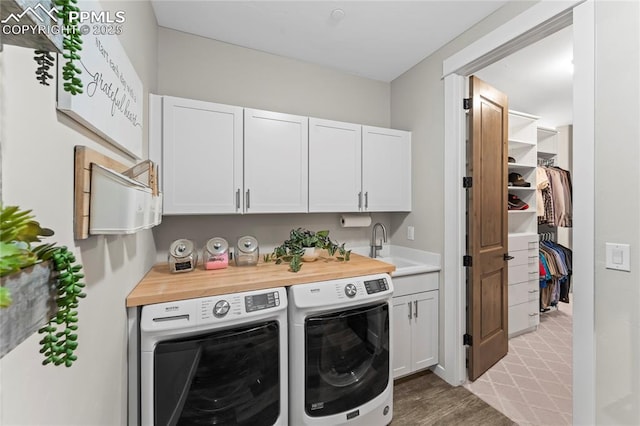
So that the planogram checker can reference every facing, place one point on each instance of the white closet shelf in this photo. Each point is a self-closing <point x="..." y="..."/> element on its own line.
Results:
<point x="520" y="142"/>
<point x="544" y="154"/>
<point x="528" y="211"/>
<point x="520" y="166"/>
<point x="521" y="188"/>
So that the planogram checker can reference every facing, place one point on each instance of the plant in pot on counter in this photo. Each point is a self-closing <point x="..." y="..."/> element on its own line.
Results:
<point x="18" y="230"/>
<point x="304" y="245"/>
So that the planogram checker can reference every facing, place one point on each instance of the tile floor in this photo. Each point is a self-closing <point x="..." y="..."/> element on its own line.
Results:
<point x="532" y="385"/>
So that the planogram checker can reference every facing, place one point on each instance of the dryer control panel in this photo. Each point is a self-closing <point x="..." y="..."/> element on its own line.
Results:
<point x="257" y="302"/>
<point x="376" y="286"/>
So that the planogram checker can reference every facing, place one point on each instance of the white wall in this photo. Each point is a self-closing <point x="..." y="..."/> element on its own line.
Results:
<point x="37" y="173"/>
<point x="617" y="203"/>
<point x="198" y="68"/>
<point x="195" y="67"/>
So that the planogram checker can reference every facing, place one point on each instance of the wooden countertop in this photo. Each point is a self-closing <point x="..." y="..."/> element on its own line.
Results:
<point x="159" y="285"/>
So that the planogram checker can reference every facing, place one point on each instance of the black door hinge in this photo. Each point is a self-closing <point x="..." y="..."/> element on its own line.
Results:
<point x="466" y="103"/>
<point x="467" y="260"/>
<point x="467" y="339"/>
<point x="467" y="182"/>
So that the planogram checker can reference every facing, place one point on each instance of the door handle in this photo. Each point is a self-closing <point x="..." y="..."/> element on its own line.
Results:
<point x="359" y="200"/>
<point x="415" y="309"/>
<point x="366" y="200"/>
<point x="507" y="257"/>
<point x="409" y="310"/>
<point x="238" y="199"/>
<point x="248" y="200"/>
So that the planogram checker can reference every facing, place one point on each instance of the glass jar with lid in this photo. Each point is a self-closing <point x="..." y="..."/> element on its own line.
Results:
<point x="216" y="254"/>
<point x="247" y="251"/>
<point x="182" y="256"/>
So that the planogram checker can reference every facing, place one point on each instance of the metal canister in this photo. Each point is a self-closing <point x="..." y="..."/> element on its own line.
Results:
<point x="247" y="251"/>
<point x="182" y="256"/>
<point x="216" y="254"/>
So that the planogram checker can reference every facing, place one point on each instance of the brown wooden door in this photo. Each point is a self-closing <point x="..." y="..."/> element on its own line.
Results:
<point x="487" y="283"/>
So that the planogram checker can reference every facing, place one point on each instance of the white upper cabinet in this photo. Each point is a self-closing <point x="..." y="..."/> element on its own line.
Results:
<point x="276" y="159"/>
<point x="386" y="169"/>
<point x="222" y="159"/>
<point x="335" y="166"/>
<point x="201" y="157"/>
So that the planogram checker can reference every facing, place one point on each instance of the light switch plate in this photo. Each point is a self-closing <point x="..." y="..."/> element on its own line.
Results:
<point x="411" y="233"/>
<point x="617" y="256"/>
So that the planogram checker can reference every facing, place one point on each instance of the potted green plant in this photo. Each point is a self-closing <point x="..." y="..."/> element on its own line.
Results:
<point x="18" y="231"/>
<point x="304" y="245"/>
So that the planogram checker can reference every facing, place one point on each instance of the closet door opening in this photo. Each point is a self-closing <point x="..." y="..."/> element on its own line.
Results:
<point x="533" y="383"/>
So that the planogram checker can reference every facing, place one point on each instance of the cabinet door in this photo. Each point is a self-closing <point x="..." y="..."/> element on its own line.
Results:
<point x="425" y="330"/>
<point x="386" y="169"/>
<point x="275" y="162"/>
<point x="401" y="352"/>
<point x="201" y="157"/>
<point x="335" y="171"/>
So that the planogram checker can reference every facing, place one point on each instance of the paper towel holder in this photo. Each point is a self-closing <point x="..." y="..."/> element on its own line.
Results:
<point x="355" y="220"/>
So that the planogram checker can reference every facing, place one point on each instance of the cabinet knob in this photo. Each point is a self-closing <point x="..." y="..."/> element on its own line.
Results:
<point x="415" y="309"/>
<point x="409" y="303"/>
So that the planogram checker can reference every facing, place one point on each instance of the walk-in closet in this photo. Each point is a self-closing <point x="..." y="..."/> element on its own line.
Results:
<point x="533" y="383"/>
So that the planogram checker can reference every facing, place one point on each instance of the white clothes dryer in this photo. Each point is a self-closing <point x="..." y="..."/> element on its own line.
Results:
<point x="340" y="368"/>
<point x="219" y="360"/>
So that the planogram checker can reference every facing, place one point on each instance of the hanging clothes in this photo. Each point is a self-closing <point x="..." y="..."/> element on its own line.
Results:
<point x="554" y="195"/>
<point x="555" y="274"/>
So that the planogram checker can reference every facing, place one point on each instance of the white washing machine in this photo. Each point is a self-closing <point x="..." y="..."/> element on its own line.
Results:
<point x="340" y="369"/>
<point x="219" y="360"/>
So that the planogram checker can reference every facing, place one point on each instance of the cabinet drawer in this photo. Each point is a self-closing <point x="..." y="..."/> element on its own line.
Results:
<point x="524" y="257"/>
<point x="524" y="292"/>
<point x="411" y="284"/>
<point x="522" y="273"/>
<point x="523" y="242"/>
<point x="523" y="316"/>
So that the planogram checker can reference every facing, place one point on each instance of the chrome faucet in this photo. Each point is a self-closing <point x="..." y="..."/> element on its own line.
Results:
<point x="375" y="247"/>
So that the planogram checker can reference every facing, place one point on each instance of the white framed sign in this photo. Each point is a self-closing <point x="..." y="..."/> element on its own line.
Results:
<point x="111" y="104"/>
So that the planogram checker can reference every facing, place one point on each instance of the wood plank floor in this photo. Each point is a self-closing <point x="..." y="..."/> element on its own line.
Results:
<point x="426" y="399"/>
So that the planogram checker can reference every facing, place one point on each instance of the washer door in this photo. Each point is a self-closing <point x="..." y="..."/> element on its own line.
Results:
<point x="230" y="377"/>
<point x="347" y="359"/>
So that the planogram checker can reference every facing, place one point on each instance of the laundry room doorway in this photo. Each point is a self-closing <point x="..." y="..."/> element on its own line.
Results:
<point x="531" y="26"/>
<point x="532" y="384"/>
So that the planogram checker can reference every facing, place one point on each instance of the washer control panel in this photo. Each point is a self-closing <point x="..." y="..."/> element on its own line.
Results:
<point x="257" y="302"/>
<point x="376" y="286"/>
<point x="350" y="290"/>
<point x="221" y="308"/>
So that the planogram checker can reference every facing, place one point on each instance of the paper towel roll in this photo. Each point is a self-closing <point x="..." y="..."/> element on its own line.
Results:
<point x="355" y="220"/>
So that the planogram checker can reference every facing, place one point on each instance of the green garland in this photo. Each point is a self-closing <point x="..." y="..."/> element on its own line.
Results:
<point x="60" y="341"/>
<point x="72" y="43"/>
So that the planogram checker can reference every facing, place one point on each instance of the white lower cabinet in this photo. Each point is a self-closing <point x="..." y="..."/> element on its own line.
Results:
<point x="415" y="323"/>
<point x="524" y="287"/>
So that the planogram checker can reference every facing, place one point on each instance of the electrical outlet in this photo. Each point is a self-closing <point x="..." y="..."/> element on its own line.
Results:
<point x="410" y="233"/>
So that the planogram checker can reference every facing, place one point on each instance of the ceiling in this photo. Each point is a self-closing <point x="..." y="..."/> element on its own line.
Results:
<point x="374" y="39"/>
<point x="381" y="40"/>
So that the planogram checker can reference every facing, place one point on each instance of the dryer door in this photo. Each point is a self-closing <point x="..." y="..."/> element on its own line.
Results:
<point x="347" y="359"/>
<point x="228" y="377"/>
